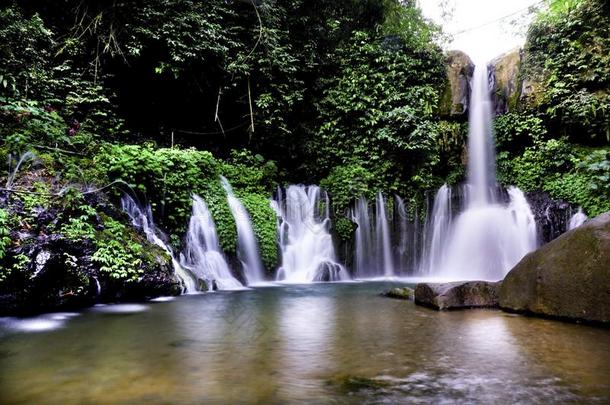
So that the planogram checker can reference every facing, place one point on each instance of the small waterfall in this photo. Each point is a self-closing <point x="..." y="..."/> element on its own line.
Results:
<point x="142" y="219"/>
<point x="203" y="255"/>
<point x="383" y="236"/>
<point x="577" y="219"/>
<point x="364" y="252"/>
<point x="307" y="248"/>
<point x="438" y="231"/>
<point x="400" y="214"/>
<point x="247" y="246"/>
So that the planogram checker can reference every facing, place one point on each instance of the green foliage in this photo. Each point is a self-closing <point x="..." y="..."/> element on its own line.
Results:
<point x="515" y="131"/>
<point x="264" y="226"/>
<point x="348" y="182"/>
<point x="568" y="50"/>
<point x="5" y="239"/>
<point x="117" y="254"/>
<point x="169" y="178"/>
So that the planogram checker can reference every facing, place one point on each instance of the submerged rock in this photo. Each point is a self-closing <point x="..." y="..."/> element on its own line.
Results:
<point x="566" y="278"/>
<point x="456" y="295"/>
<point x="401" y="293"/>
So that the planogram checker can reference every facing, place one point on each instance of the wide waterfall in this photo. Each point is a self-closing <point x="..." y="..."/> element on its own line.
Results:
<point x="307" y="248"/>
<point x="489" y="237"/>
<point x="247" y="246"/>
<point x="141" y="217"/>
<point x="374" y="253"/>
<point x="203" y="255"/>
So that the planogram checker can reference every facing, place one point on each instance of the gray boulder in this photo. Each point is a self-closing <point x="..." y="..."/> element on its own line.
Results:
<point x="566" y="278"/>
<point x="461" y="294"/>
<point x="459" y="69"/>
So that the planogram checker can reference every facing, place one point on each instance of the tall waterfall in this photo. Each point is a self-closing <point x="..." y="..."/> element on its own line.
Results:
<point x="577" y="219"/>
<point x="141" y="217"/>
<point x="489" y="237"/>
<point x="203" y="255"/>
<point x="247" y="246"/>
<point x="307" y="248"/>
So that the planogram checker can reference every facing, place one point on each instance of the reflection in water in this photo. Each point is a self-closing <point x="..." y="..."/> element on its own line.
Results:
<point x="315" y="343"/>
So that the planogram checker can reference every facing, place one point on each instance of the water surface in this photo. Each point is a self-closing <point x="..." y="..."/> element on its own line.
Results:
<point x="320" y="343"/>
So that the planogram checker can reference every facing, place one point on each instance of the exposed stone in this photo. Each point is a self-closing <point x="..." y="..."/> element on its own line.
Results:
<point x="507" y="87"/>
<point x="401" y="293"/>
<point x="456" y="295"/>
<point x="459" y="68"/>
<point x="566" y="278"/>
<point x="552" y="216"/>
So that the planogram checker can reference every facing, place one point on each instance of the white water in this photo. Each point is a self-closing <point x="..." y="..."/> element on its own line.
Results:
<point x="577" y="219"/>
<point x="383" y="237"/>
<point x="203" y="255"/>
<point x="488" y="238"/>
<point x="307" y="248"/>
<point x="247" y="246"/>
<point x="141" y="217"/>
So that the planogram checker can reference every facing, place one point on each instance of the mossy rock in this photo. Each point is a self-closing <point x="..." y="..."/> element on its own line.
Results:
<point x="401" y="293"/>
<point x="567" y="278"/>
<point x="459" y="69"/>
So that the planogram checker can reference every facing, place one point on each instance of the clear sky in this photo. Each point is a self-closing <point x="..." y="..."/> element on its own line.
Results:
<point x="482" y="28"/>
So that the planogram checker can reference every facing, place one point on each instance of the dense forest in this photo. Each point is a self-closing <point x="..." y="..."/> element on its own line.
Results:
<point x="159" y="98"/>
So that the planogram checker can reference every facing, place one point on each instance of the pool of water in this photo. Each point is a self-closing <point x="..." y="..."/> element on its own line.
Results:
<point x="320" y="343"/>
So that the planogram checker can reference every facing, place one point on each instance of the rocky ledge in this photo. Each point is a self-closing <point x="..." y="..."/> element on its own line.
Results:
<point x="568" y="278"/>
<point x="457" y="295"/>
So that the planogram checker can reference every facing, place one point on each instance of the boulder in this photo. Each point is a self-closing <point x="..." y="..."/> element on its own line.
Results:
<point x="459" y="69"/>
<point x="401" y="293"/>
<point x="456" y="295"/>
<point x="567" y="278"/>
<point x="506" y="84"/>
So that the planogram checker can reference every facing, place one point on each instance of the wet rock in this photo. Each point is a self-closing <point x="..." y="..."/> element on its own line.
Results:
<point x="552" y="216"/>
<point x="506" y="84"/>
<point x="567" y="278"/>
<point x="459" y="69"/>
<point x="456" y="295"/>
<point x="402" y="293"/>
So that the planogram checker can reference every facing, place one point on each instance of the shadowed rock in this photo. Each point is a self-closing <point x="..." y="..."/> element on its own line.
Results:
<point x="456" y="295"/>
<point x="566" y="278"/>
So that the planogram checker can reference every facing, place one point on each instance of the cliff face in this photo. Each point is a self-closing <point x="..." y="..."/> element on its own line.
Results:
<point x="459" y="68"/>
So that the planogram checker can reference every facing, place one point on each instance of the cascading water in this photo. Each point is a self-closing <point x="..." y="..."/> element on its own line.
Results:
<point x="141" y="217"/>
<point x="383" y="236"/>
<point x="307" y="248"/>
<point x="577" y="219"/>
<point x="488" y="238"/>
<point x="247" y="246"/>
<point x="203" y="256"/>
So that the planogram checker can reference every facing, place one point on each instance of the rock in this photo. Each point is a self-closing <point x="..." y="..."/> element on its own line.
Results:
<point x="401" y="293"/>
<point x="567" y="278"/>
<point x="461" y="294"/>
<point x="552" y="216"/>
<point x="459" y="68"/>
<point x="506" y="85"/>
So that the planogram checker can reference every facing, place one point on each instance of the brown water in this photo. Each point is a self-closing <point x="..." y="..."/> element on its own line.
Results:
<point x="319" y="343"/>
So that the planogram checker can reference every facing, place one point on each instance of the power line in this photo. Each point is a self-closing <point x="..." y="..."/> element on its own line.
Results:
<point x="498" y="19"/>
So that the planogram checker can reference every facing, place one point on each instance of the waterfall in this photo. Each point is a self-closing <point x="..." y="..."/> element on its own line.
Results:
<point x="307" y="248"/>
<point x="400" y="213"/>
<point x="203" y="255"/>
<point x="141" y="218"/>
<point x="577" y="219"/>
<point x="438" y="231"/>
<point x="363" y="252"/>
<point x="488" y="238"/>
<point x="383" y="236"/>
<point x="247" y="246"/>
